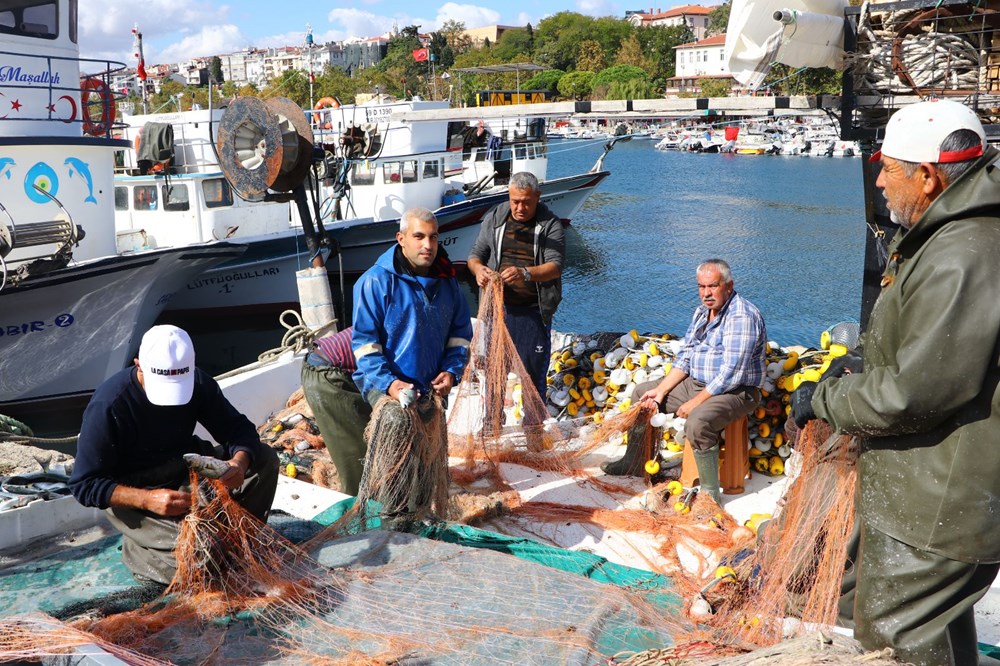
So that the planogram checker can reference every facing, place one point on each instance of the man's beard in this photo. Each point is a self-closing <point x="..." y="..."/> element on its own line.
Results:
<point x="903" y="213"/>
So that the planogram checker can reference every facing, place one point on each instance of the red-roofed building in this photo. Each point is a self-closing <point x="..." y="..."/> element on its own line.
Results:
<point x="703" y="59"/>
<point x="694" y="17"/>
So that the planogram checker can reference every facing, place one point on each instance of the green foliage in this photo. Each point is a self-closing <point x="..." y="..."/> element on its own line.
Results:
<point x="576" y="85"/>
<point x="514" y="44"/>
<point x="547" y="80"/>
<point x="590" y="56"/>
<point x="402" y="72"/>
<point x="440" y="48"/>
<point x="658" y="43"/>
<point x="632" y="89"/>
<point x="215" y="69"/>
<point x="715" y="87"/>
<point x="453" y="32"/>
<point x="718" y="19"/>
<point x="620" y="74"/>
<point x="293" y="84"/>
<point x="558" y="37"/>
<point x="783" y="80"/>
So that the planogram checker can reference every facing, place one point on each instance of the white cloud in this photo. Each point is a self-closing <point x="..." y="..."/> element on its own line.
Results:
<point x="597" y="7"/>
<point x="473" y="16"/>
<point x="210" y="40"/>
<point x="350" y="22"/>
<point x="106" y="27"/>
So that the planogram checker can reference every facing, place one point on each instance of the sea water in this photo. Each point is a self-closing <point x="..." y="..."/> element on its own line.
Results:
<point x="792" y="228"/>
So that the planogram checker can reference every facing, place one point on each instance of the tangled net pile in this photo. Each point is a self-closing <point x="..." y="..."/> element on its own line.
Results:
<point x="349" y="596"/>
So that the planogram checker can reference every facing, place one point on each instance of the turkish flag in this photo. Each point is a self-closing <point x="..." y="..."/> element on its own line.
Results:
<point x="141" y="71"/>
<point x="421" y="54"/>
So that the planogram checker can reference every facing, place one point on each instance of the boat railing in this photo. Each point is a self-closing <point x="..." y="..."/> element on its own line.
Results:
<point x="93" y="91"/>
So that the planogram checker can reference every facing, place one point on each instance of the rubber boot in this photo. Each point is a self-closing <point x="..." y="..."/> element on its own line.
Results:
<point x="708" y="472"/>
<point x="634" y="461"/>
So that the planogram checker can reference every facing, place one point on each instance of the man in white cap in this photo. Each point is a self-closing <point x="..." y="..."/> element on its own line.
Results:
<point x="926" y="403"/>
<point x="136" y="430"/>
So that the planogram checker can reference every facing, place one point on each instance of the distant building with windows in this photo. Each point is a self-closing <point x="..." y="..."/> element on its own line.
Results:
<point x="695" y="17"/>
<point x="364" y="53"/>
<point x="703" y="59"/>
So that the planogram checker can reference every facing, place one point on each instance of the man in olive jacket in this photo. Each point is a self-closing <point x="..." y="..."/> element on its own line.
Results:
<point x="927" y="404"/>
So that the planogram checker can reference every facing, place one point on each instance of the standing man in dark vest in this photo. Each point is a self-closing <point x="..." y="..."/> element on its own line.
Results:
<point x="522" y="240"/>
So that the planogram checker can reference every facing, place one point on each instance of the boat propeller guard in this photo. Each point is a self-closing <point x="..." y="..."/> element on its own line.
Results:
<point x="264" y="145"/>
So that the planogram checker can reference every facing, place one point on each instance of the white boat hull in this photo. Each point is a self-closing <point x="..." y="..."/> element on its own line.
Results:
<point x="264" y="278"/>
<point x="65" y="332"/>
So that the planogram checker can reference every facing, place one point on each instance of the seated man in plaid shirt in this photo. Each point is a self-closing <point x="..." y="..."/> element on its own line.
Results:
<point x="715" y="378"/>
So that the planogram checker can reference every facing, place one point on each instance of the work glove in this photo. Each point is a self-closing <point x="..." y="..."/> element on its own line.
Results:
<point x="802" y="409"/>
<point x="851" y="363"/>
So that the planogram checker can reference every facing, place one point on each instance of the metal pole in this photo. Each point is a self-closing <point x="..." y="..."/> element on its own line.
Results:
<point x="434" y="82"/>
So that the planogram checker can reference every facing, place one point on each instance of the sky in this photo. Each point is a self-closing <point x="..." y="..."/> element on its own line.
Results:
<point x="176" y="30"/>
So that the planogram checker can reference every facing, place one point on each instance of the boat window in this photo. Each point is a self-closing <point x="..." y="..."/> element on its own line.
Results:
<point x="31" y="19"/>
<point x="176" y="197"/>
<point x="520" y="151"/>
<point x="395" y="172"/>
<point x="480" y="155"/>
<point x="144" y="197"/>
<point x="217" y="193"/>
<point x="541" y="149"/>
<point x="363" y="174"/>
<point x="121" y="198"/>
<point x="432" y="169"/>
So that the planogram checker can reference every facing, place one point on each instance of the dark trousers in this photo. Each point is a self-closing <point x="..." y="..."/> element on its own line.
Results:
<point x="533" y="340"/>
<point x="342" y="414"/>
<point x="148" y="540"/>
<point x="704" y="426"/>
<point x="918" y="603"/>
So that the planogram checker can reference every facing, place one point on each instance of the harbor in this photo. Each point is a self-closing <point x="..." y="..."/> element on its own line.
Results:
<point x="633" y="496"/>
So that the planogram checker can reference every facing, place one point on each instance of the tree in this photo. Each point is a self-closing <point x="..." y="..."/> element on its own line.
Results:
<point x="658" y="42"/>
<point x="715" y="87"/>
<point x="454" y="34"/>
<point x="293" y="84"/>
<point x="547" y="80"/>
<point x="718" y="19"/>
<point x="631" y="53"/>
<point x="783" y="80"/>
<point x="576" y="85"/>
<point x="215" y="69"/>
<point x="513" y="45"/>
<point x="620" y="74"/>
<point x="403" y="73"/>
<point x="590" y="57"/>
<point x="558" y="37"/>
<point x="440" y="48"/>
<point x="632" y="89"/>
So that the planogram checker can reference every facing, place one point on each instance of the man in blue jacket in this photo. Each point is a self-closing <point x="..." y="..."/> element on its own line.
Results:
<point x="411" y="321"/>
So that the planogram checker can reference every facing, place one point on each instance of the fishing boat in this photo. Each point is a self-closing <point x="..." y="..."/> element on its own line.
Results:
<point x="374" y="167"/>
<point x="73" y="308"/>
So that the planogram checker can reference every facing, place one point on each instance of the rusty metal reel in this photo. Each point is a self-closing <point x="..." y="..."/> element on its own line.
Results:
<point x="264" y="145"/>
<point x="297" y="138"/>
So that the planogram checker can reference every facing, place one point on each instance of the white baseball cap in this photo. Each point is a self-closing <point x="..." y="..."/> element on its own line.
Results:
<point x="915" y="133"/>
<point x="166" y="357"/>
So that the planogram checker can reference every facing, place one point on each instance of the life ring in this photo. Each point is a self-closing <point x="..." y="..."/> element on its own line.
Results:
<point x="101" y="126"/>
<point x="327" y="103"/>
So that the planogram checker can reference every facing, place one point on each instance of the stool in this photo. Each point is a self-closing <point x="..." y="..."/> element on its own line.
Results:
<point x="734" y="459"/>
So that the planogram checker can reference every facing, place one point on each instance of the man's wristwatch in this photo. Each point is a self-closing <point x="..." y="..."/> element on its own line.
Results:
<point x="525" y="273"/>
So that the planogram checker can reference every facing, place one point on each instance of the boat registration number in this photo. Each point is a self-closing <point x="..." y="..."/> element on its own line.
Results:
<point x="60" y="321"/>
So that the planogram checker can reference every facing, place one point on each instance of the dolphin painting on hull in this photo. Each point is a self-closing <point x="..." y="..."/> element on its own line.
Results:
<point x="5" y="164"/>
<point x="77" y="165"/>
